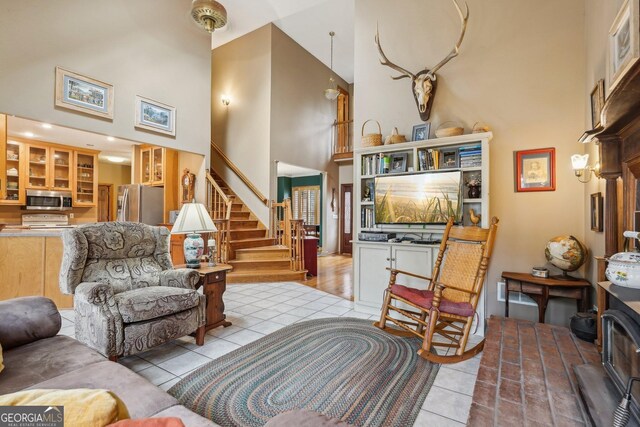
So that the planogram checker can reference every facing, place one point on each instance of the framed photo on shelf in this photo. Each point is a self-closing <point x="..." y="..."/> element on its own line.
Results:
<point x="85" y="94"/>
<point x="449" y="158"/>
<point x="596" y="211"/>
<point x="624" y="47"/>
<point x="398" y="163"/>
<point x="155" y="116"/>
<point x="535" y="170"/>
<point x="597" y="103"/>
<point x="421" y="132"/>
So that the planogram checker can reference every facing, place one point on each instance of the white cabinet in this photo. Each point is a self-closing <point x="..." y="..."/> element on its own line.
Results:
<point x="371" y="261"/>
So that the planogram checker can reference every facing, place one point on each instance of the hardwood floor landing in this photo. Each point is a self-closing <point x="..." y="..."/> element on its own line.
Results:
<point x="335" y="276"/>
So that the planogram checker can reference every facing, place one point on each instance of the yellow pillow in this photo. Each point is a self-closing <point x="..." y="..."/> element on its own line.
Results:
<point x="1" y="365"/>
<point x="82" y="407"/>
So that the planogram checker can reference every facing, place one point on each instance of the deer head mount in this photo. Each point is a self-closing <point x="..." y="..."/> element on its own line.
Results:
<point x="424" y="83"/>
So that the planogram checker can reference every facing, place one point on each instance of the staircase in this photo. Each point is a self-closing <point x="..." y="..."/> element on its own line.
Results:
<point x="254" y="255"/>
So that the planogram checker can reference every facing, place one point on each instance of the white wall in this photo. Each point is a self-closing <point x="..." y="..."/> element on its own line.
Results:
<point x="143" y="47"/>
<point x="520" y="70"/>
<point x="242" y="70"/>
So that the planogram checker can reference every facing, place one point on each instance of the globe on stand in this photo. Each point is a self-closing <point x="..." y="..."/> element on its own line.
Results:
<point x="566" y="253"/>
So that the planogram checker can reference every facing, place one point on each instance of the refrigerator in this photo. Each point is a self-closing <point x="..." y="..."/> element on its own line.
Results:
<point x="141" y="203"/>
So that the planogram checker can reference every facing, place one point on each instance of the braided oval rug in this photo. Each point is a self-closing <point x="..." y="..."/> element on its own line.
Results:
<point x="341" y="367"/>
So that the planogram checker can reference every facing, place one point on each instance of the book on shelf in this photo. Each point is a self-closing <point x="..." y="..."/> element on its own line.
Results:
<point x="367" y="217"/>
<point x="429" y="159"/>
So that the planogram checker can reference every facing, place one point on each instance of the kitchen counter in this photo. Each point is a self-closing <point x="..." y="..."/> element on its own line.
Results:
<point x="25" y="232"/>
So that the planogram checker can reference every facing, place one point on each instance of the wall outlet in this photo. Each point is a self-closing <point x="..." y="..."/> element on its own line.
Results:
<point x="70" y="216"/>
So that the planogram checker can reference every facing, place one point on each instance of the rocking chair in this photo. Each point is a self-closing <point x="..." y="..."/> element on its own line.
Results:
<point x="448" y="305"/>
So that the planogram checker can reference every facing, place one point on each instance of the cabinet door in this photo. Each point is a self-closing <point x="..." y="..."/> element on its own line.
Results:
<point x="373" y="278"/>
<point x="38" y="167"/>
<point x="61" y="170"/>
<point x="145" y="166"/>
<point x="157" y="177"/>
<point x="12" y="191"/>
<point x="417" y="260"/>
<point x="85" y="190"/>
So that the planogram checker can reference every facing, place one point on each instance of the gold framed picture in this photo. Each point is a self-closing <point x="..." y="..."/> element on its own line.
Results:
<point x="85" y="94"/>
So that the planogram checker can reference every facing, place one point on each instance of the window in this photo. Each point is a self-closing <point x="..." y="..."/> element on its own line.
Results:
<point x="306" y="204"/>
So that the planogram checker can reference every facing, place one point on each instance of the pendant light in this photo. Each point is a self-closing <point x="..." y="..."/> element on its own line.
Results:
<point x="331" y="93"/>
<point x="209" y="14"/>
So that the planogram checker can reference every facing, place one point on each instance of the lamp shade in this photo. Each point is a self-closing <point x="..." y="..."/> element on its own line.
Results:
<point x="579" y="161"/>
<point x="193" y="218"/>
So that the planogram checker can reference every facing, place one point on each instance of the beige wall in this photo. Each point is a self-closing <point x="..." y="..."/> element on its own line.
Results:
<point x="301" y="121"/>
<point x="521" y="70"/>
<point x="242" y="70"/>
<point x="115" y="174"/>
<point x="143" y="47"/>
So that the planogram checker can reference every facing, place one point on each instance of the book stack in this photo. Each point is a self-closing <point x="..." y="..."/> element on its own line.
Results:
<point x="367" y="220"/>
<point x="375" y="164"/>
<point x="470" y="156"/>
<point x="428" y="159"/>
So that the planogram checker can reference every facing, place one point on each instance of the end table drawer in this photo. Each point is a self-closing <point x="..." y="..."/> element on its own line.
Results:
<point x="216" y="277"/>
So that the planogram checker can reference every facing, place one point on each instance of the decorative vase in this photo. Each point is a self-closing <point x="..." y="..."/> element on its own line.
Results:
<point x="474" y="192"/>
<point x="193" y="250"/>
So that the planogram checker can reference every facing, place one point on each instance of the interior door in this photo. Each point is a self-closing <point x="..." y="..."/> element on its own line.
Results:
<point x="346" y="218"/>
<point x="105" y="203"/>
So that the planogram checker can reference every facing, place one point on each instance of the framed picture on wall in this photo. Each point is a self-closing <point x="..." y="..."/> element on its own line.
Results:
<point x="596" y="211"/>
<point x="624" y="46"/>
<point x="535" y="170"/>
<point x="85" y="94"/>
<point x="155" y="116"/>
<point x="597" y="103"/>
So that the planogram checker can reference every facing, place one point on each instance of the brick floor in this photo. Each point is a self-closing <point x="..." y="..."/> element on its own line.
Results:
<point x="526" y="376"/>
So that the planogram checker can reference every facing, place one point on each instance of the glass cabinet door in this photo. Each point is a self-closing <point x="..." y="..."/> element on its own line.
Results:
<point x="61" y="169"/>
<point x="14" y="184"/>
<point x="37" y="167"/>
<point x="145" y="166"/>
<point x="86" y="183"/>
<point x="158" y="164"/>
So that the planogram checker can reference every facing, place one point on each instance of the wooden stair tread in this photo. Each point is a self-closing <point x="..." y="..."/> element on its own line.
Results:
<point x="253" y="239"/>
<point x="264" y="248"/>
<point x="258" y="261"/>
<point x="261" y="272"/>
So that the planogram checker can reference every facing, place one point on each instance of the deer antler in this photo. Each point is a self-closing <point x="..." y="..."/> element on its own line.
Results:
<point x="385" y="61"/>
<point x="454" y="52"/>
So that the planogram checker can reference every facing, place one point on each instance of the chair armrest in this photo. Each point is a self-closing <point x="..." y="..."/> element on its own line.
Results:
<point x="180" y="278"/>
<point x="27" y="319"/>
<point x="395" y="271"/>
<point x="95" y="293"/>
<point x="441" y="286"/>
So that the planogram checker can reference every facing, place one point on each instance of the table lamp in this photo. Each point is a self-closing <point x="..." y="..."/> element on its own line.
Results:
<point x="192" y="220"/>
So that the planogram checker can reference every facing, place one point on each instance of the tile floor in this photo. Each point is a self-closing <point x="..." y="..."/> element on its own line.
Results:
<point x="259" y="309"/>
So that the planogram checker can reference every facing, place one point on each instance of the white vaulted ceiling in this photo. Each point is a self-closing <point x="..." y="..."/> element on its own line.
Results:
<point x="308" y="22"/>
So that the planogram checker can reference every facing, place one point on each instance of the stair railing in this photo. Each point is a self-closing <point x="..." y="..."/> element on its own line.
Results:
<point x="287" y="232"/>
<point x="219" y="207"/>
<point x="239" y="174"/>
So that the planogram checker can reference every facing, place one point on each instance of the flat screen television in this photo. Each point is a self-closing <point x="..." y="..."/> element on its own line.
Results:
<point x="420" y="198"/>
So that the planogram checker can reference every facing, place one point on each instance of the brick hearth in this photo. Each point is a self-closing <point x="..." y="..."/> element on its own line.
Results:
<point x="526" y="376"/>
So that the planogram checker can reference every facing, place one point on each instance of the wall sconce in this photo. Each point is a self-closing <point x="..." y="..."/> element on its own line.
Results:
<point x="225" y="100"/>
<point x="581" y="169"/>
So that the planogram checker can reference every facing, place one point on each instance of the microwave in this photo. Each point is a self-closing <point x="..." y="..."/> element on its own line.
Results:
<point x="38" y="200"/>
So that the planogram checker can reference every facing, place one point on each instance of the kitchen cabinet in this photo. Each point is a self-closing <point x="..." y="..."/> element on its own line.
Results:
<point x="38" y="167"/>
<point x="12" y="164"/>
<point x="49" y="167"/>
<point x="157" y="164"/>
<point x="85" y="190"/>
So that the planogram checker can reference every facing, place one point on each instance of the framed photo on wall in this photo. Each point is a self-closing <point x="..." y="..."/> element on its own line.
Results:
<point x="624" y="46"/>
<point x="155" y="116"/>
<point x="596" y="211"/>
<point x="597" y="103"/>
<point x="85" y="94"/>
<point x="535" y="170"/>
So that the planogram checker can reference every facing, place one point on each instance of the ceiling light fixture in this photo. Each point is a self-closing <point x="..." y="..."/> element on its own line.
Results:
<point x="28" y="134"/>
<point x="115" y="159"/>
<point x="46" y="125"/>
<point x="110" y="139"/>
<point x="331" y="93"/>
<point x="209" y="14"/>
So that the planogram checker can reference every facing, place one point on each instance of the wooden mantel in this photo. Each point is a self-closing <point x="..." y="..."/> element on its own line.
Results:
<point x="619" y="150"/>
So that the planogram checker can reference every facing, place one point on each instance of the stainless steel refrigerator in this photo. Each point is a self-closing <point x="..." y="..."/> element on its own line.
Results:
<point x="140" y="203"/>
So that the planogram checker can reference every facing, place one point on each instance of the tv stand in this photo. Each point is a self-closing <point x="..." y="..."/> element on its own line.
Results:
<point x="466" y="153"/>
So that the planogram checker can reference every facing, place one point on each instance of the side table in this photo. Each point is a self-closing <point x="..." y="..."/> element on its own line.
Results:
<point x="541" y="289"/>
<point x="214" y="283"/>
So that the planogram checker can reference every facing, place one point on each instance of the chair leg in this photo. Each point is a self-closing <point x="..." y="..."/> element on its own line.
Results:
<point x="200" y="335"/>
<point x="465" y="337"/>
<point x="434" y="314"/>
<point x="385" y="310"/>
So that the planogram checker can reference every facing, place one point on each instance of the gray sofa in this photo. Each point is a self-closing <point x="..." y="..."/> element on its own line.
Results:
<point x="35" y="357"/>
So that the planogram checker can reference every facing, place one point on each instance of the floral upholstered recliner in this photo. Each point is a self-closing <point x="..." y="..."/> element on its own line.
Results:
<point x="127" y="296"/>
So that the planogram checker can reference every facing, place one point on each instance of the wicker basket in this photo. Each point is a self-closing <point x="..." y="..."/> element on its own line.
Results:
<point x="480" y="127"/>
<point x="454" y="130"/>
<point x="394" y="138"/>
<point x="371" y="139"/>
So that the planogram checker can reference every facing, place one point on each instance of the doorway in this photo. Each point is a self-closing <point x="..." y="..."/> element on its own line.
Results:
<point x="346" y="218"/>
<point x="105" y="202"/>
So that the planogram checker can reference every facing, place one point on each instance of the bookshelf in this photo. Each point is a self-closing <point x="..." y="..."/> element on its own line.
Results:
<point x="466" y="153"/>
